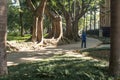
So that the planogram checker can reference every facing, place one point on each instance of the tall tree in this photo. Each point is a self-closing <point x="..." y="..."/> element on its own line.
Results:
<point x="56" y="31"/>
<point x="94" y="19"/>
<point x="73" y="11"/>
<point x="114" y="65"/>
<point x="21" y="17"/>
<point x="90" y="19"/>
<point x="38" y="12"/>
<point x="3" y="30"/>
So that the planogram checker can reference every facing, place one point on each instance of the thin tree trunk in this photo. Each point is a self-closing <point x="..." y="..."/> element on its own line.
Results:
<point x="21" y="24"/>
<point x="114" y="66"/>
<point x="21" y="16"/>
<point x="94" y="19"/>
<point x="3" y="30"/>
<point x="90" y="20"/>
<point x="86" y="23"/>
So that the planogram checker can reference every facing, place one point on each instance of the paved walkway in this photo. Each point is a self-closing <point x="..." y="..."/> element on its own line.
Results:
<point x="15" y="58"/>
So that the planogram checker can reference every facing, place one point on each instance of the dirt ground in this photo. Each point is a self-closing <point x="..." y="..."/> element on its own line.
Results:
<point x="30" y="54"/>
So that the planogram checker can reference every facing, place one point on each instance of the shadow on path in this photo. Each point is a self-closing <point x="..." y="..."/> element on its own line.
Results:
<point x="15" y="58"/>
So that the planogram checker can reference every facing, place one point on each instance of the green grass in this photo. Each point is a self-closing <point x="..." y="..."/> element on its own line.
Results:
<point x="97" y="53"/>
<point x="11" y="37"/>
<point x="16" y="36"/>
<point x="74" y="69"/>
<point x="60" y="68"/>
<point x="105" y="40"/>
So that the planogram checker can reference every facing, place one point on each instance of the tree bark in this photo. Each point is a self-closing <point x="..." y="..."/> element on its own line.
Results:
<point x="68" y="32"/>
<point x="57" y="30"/>
<point x="21" y="16"/>
<point x="72" y="17"/>
<point x="40" y="30"/>
<point x="90" y="20"/>
<point x="40" y="13"/>
<point x="37" y="33"/>
<point x="21" y="24"/>
<point x="3" y="30"/>
<point x="94" y="19"/>
<point x="75" y="29"/>
<point x="34" y="32"/>
<point x="114" y="66"/>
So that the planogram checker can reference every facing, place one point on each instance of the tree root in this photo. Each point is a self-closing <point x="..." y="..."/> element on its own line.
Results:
<point x="9" y="47"/>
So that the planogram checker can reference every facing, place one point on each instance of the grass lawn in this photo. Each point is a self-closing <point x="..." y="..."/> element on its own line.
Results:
<point x="11" y="37"/>
<point x="63" y="67"/>
<point x="97" y="53"/>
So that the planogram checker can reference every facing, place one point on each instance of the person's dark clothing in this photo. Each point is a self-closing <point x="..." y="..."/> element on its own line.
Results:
<point x="83" y="44"/>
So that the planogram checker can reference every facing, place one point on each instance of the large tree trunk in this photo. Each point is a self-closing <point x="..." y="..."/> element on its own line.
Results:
<point x="34" y="32"/>
<point x="75" y="29"/>
<point x="114" y="66"/>
<point x="3" y="30"/>
<point x="37" y="33"/>
<point x="40" y="30"/>
<point x="51" y="30"/>
<point x="58" y="30"/>
<point x="68" y="32"/>
<point x="40" y="13"/>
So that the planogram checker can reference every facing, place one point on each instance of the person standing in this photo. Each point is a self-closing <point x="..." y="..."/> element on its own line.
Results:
<point x="83" y="36"/>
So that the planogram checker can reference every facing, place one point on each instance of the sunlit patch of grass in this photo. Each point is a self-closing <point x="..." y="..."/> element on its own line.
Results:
<point x="97" y="53"/>
<point x="17" y="37"/>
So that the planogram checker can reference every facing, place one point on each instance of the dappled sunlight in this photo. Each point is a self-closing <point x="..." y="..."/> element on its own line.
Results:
<point x="31" y="59"/>
<point x="98" y="54"/>
<point x="11" y="63"/>
<point x="70" y="53"/>
<point x="58" y="63"/>
<point x="50" y="52"/>
<point x="62" y="67"/>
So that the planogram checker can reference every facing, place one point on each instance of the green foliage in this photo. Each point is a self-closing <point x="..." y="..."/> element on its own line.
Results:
<point x="14" y="17"/>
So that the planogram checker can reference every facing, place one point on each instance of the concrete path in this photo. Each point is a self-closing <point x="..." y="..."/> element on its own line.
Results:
<point x="15" y="58"/>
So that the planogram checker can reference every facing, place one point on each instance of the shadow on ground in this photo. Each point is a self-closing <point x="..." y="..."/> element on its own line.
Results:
<point x="59" y="68"/>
